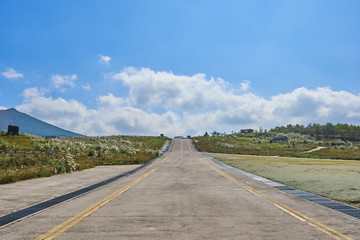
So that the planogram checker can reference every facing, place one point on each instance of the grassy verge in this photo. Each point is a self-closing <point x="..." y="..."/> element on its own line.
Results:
<point x="335" y="179"/>
<point x="24" y="157"/>
<point x="261" y="144"/>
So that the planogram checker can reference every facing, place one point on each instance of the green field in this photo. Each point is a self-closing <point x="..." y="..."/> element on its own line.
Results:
<point x="261" y="144"/>
<point x="335" y="179"/>
<point x="24" y="157"/>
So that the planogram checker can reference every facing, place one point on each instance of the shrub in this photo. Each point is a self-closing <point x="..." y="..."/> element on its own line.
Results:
<point x="91" y="153"/>
<point x="225" y="145"/>
<point x="64" y="164"/>
<point x="3" y="147"/>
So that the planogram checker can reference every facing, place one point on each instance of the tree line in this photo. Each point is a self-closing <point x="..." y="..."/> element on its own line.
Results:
<point x="326" y="131"/>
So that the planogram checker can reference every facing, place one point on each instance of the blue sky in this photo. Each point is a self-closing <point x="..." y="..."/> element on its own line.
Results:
<point x="236" y="64"/>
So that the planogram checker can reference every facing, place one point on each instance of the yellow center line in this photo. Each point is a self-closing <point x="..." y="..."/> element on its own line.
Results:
<point x="191" y="149"/>
<point x="58" y="230"/>
<point x="164" y="159"/>
<point x="298" y="215"/>
<point x="171" y="150"/>
<point x="173" y="147"/>
<point x="290" y="213"/>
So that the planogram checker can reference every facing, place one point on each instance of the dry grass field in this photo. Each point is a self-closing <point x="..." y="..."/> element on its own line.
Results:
<point x="335" y="179"/>
<point x="24" y="157"/>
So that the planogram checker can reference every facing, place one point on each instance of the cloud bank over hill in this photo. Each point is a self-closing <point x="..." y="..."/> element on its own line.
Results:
<point x="163" y="102"/>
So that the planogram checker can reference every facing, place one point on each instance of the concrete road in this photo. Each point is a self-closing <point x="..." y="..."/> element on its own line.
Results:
<point x="16" y="196"/>
<point x="185" y="196"/>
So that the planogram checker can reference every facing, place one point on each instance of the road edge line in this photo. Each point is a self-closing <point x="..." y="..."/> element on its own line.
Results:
<point x="352" y="211"/>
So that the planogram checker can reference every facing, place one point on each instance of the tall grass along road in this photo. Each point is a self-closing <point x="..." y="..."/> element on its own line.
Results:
<point x="24" y="157"/>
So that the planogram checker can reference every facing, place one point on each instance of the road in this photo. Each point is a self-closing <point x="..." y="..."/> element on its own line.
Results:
<point x="183" y="195"/>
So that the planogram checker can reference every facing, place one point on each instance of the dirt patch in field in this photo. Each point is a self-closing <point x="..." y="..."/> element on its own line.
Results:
<point x="335" y="179"/>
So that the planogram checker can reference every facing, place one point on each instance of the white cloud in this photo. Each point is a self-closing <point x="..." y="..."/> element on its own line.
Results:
<point x="66" y="80"/>
<point x="109" y="101"/>
<point x="86" y="87"/>
<point x="162" y="102"/>
<point x="110" y="117"/>
<point x="10" y="73"/>
<point x="319" y="105"/>
<point x="104" y="60"/>
<point x="205" y="99"/>
<point x="185" y="93"/>
<point x="69" y="114"/>
<point x="245" y="85"/>
<point x="130" y="120"/>
<point x="30" y="93"/>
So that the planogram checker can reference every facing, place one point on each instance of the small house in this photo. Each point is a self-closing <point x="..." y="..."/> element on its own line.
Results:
<point x="247" y="130"/>
<point x="280" y="139"/>
<point x="13" y="130"/>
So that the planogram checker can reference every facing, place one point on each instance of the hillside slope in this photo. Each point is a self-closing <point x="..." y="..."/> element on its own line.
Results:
<point x="31" y="125"/>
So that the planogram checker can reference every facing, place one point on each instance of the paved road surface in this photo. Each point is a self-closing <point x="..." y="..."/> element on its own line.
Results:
<point x="19" y="195"/>
<point x="185" y="196"/>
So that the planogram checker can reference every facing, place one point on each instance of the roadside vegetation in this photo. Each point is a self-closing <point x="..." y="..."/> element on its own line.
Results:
<point x="327" y="131"/>
<point x="261" y="143"/>
<point x="335" y="179"/>
<point x="24" y="157"/>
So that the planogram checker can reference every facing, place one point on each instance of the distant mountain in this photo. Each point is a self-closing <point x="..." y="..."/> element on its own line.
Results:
<point x="30" y="125"/>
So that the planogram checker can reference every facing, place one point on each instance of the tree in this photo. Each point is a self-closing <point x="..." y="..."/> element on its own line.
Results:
<point x="329" y="130"/>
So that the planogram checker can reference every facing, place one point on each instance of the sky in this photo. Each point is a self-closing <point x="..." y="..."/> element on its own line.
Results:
<point x="180" y="67"/>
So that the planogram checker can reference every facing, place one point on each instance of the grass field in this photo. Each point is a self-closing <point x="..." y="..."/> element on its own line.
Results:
<point x="261" y="144"/>
<point x="24" y="157"/>
<point x="334" y="179"/>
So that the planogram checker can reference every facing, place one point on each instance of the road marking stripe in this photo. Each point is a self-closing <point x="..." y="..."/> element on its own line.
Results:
<point x="323" y="230"/>
<point x="181" y="150"/>
<point x="164" y="159"/>
<point x="173" y="147"/>
<point x="58" y="230"/>
<point x="171" y="150"/>
<point x="315" y="222"/>
<point x="292" y="214"/>
<point x="300" y="216"/>
<point x="191" y="149"/>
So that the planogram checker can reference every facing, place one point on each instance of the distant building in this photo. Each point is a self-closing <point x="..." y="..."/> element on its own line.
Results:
<point x="206" y="134"/>
<point x="280" y="139"/>
<point x="51" y="137"/>
<point x="13" y="130"/>
<point x="247" y="130"/>
<point x="161" y="135"/>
